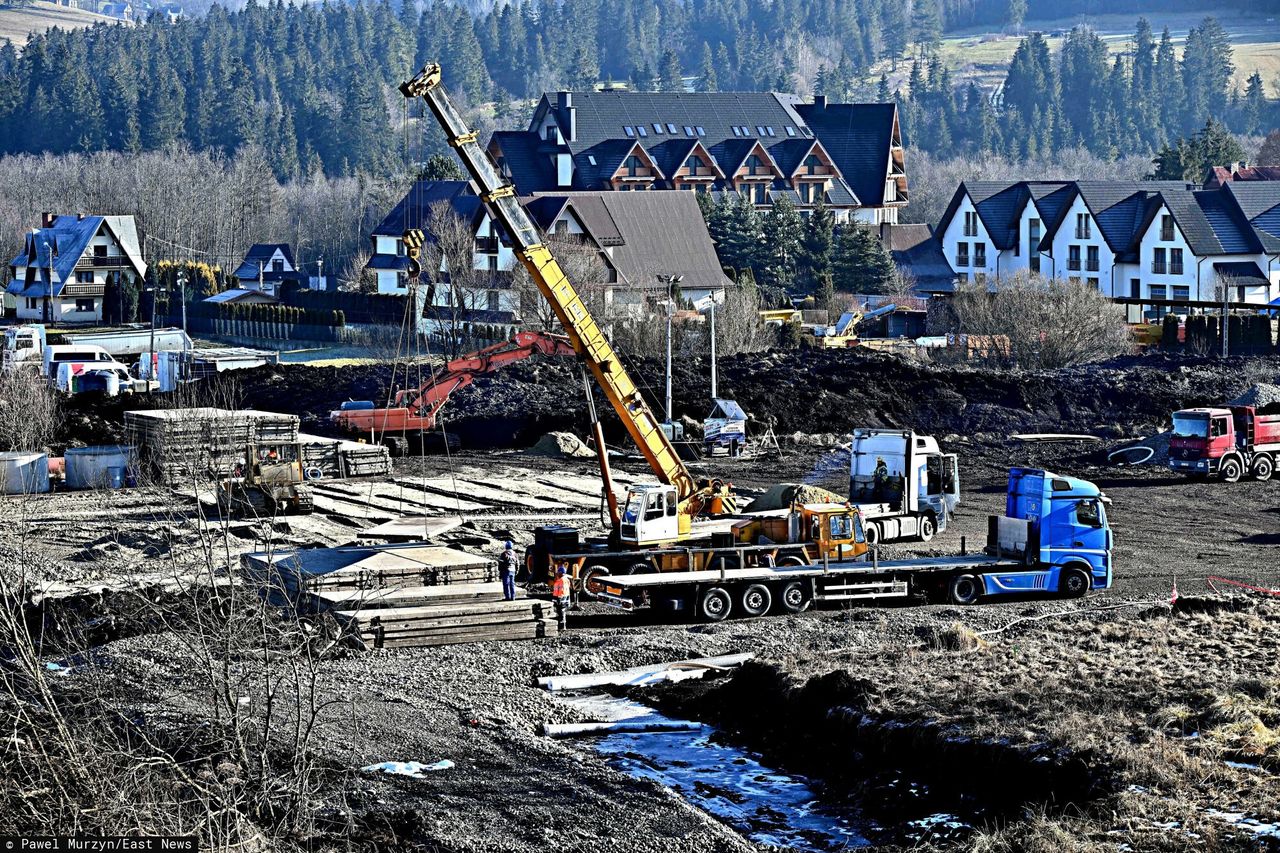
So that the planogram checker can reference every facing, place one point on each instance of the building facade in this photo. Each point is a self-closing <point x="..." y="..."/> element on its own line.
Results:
<point x="267" y="267"/>
<point x="1157" y="240"/>
<point x="764" y="146"/>
<point x="62" y="273"/>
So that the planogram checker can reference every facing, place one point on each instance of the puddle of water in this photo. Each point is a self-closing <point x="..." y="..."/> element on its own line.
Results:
<point x="765" y="805"/>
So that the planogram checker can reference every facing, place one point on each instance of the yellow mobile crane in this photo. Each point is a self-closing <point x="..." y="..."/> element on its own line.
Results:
<point x="652" y="514"/>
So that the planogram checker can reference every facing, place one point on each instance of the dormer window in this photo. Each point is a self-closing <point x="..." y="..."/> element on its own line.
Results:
<point x="633" y="164"/>
<point x="755" y="165"/>
<point x="812" y="164"/>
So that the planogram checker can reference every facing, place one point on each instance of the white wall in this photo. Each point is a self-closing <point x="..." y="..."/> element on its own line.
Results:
<point x="1150" y="241"/>
<point x="1066" y="237"/>
<point x="954" y="236"/>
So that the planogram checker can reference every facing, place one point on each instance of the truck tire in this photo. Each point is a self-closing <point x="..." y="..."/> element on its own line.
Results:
<point x="640" y="567"/>
<point x="872" y="533"/>
<point x="1074" y="583"/>
<point x="1263" y="468"/>
<point x="792" y="561"/>
<point x="1231" y="470"/>
<point x="714" y="604"/>
<point x="590" y="581"/>
<point x="928" y="527"/>
<point x="794" y="597"/>
<point x="755" y="600"/>
<point x="965" y="589"/>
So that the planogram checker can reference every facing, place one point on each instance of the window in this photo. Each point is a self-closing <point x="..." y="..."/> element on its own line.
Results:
<point x="737" y="131"/>
<point x="761" y="189"/>
<point x="1035" y="262"/>
<point x="1135" y="288"/>
<point x="551" y="133"/>
<point x="671" y="128"/>
<point x="1087" y="514"/>
<point x="562" y="226"/>
<point x="493" y="262"/>
<point x="494" y="303"/>
<point x="962" y="255"/>
<point x="1182" y="293"/>
<point x="657" y="128"/>
<point x="277" y="265"/>
<point x="970" y="223"/>
<point x="1033" y="243"/>
<point x="84" y="277"/>
<point x="806" y="193"/>
<point x="629" y="131"/>
<point x="1166" y="228"/>
<point x="640" y="130"/>
<point x="1093" y="282"/>
<point x="99" y="251"/>
<point x="1084" y="229"/>
<point x="1157" y="261"/>
<point x="634" y="165"/>
<point x="688" y="131"/>
<point x="759" y="130"/>
<point x="812" y="164"/>
<point x="1175" y="262"/>
<point x="1091" y="259"/>
<point x="769" y="130"/>
<point x="979" y="254"/>
<point x="791" y="131"/>
<point x="1159" y="291"/>
<point x="1073" y="258"/>
<point x="85" y="306"/>
<point x="700" y="130"/>
<point x="754" y="165"/>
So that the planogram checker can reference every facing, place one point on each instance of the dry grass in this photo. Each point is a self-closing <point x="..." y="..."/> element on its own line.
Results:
<point x="18" y="23"/>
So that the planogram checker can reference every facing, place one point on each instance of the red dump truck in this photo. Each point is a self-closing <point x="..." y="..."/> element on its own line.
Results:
<point x="1229" y="442"/>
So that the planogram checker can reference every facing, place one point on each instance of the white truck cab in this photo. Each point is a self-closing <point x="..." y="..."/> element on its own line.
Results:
<point x="23" y="346"/>
<point x="904" y="485"/>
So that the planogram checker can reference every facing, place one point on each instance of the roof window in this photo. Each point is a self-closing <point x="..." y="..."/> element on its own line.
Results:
<point x="591" y="158"/>
<point x="759" y="130"/>
<point x="629" y="131"/>
<point x="671" y="128"/>
<point x="769" y="130"/>
<point x="640" y="130"/>
<point x="737" y="131"/>
<point x="657" y="128"/>
<point x="688" y="131"/>
<point x="791" y="131"/>
<point x="700" y="130"/>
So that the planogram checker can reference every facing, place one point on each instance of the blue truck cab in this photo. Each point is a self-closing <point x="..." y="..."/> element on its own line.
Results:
<point x="1056" y="527"/>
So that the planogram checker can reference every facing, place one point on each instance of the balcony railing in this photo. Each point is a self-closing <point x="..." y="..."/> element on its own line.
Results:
<point x="962" y="260"/>
<point x="1175" y="268"/>
<point x="1092" y="265"/>
<point x="78" y="289"/>
<point x="1073" y="264"/>
<point x="101" y="261"/>
<point x="1166" y="234"/>
<point x="1158" y="267"/>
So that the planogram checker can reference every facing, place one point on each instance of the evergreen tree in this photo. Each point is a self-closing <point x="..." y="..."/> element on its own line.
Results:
<point x="861" y="263"/>
<point x="895" y="30"/>
<point x="1254" y="102"/>
<point x="1170" y="92"/>
<point x="825" y="291"/>
<point x="1206" y="69"/>
<point x="1190" y="159"/>
<point x="1083" y="73"/>
<point x="741" y="233"/>
<point x="441" y="167"/>
<point x="783" y="230"/>
<point x="815" y="246"/>
<point x="670" y="78"/>
<point x="707" y="80"/>
<point x="1269" y="153"/>
<point x="882" y="90"/>
<point x="926" y="24"/>
<point x="162" y="116"/>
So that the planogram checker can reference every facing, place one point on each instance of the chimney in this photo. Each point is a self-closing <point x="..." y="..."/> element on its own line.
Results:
<point x="820" y="101"/>
<point x="46" y="220"/>
<point x="79" y="217"/>
<point x="568" y="116"/>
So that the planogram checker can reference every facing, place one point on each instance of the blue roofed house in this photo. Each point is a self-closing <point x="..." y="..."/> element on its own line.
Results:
<point x="267" y="268"/>
<point x="61" y="274"/>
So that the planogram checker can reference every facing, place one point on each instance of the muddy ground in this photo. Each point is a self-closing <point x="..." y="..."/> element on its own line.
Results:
<point x="1117" y="722"/>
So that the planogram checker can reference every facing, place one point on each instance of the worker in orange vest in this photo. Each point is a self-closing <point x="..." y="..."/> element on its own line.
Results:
<point x="560" y="594"/>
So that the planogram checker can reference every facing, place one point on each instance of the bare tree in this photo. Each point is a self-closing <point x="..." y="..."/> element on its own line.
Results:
<point x="586" y="270"/>
<point x="356" y="277"/>
<point x="1034" y="322"/>
<point x="29" y="411"/>
<point x="455" y="287"/>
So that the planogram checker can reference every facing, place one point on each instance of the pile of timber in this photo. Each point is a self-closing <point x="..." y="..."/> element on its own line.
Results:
<point x="195" y="444"/>
<point x="397" y="596"/>
<point x="335" y="458"/>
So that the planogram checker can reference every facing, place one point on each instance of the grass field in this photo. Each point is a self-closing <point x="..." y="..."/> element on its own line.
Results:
<point x="983" y="54"/>
<point x="18" y="23"/>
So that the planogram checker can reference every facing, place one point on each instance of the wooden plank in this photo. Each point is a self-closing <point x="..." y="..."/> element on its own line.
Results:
<point x="388" y="614"/>
<point x="410" y="596"/>
<point x="529" y="632"/>
<point x="371" y="623"/>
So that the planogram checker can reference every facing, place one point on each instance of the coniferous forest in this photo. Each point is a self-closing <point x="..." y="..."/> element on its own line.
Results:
<point x="313" y="84"/>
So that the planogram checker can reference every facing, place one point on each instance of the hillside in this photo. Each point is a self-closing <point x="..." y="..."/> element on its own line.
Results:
<point x="983" y="53"/>
<point x="18" y="23"/>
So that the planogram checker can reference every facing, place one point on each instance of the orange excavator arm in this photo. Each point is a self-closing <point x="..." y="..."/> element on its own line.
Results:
<point x="416" y="408"/>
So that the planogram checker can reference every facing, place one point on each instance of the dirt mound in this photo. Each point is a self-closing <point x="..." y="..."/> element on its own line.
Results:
<point x="1264" y="395"/>
<point x="783" y="495"/>
<point x="562" y="445"/>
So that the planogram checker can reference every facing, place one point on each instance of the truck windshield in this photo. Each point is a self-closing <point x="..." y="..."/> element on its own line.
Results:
<point x="841" y="527"/>
<point x="1190" y="426"/>
<point x="635" y="506"/>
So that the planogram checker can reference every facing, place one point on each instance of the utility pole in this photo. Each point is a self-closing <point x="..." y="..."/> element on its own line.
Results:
<point x="671" y="281"/>
<point x="1226" y="325"/>
<point x="320" y="273"/>
<point x="182" y="284"/>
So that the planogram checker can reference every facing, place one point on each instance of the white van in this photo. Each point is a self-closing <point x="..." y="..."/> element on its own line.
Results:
<point x="79" y="353"/>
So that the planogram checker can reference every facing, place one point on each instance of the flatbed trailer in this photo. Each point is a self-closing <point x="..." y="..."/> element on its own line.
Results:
<point x="1054" y="538"/>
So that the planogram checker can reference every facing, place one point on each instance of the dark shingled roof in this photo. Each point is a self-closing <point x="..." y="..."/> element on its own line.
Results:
<point x="1259" y="202"/>
<point x="1000" y="205"/>
<point x="414" y="209"/>
<point x="520" y="151"/>
<point x="915" y="250"/>
<point x="261" y="253"/>
<point x="857" y="136"/>
<point x="1241" y="272"/>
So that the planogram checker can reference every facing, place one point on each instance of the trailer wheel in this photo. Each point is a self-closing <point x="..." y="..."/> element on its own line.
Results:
<point x="965" y="589"/>
<point x="756" y="600"/>
<point x="794" y="597"/>
<point x="1231" y="470"/>
<point x="1074" y="583"/>
<point x="928" y="527"/>
<point x="591" y="582"/>
<point x="640" y="567"/>
<point x="714" y="604"/>
<point x="792" y="561"/>
<point x="1263" y="468"/>
<point x="872" y="534"/>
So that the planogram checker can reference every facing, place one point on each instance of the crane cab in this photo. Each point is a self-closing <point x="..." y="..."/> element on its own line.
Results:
<point x="652" y="515"/>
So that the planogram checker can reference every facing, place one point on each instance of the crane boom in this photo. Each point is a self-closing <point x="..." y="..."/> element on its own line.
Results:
<point x="586" y="335"/>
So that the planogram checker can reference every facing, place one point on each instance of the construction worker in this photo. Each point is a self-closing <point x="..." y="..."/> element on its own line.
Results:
<point x="560" y="594"/>
<point x="880" y="479"/>
<point x="508" y="564"/>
